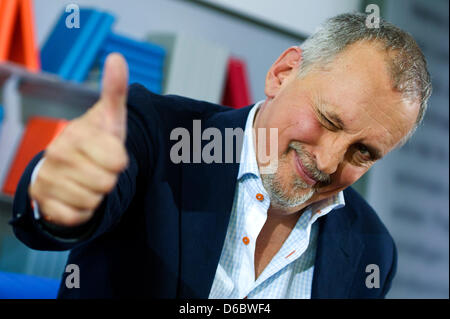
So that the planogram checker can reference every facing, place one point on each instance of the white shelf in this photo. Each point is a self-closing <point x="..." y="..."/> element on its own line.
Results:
<point x="49" y="86"/>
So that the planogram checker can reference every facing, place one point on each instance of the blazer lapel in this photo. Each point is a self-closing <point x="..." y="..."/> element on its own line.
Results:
<point x="338" y="254"/>
<point x="207" y="199"/>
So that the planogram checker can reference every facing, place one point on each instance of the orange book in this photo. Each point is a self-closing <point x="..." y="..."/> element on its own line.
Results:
<point x="39" y="132"/>
<point x="17" y="34"/>
<point x="8" y="14"/>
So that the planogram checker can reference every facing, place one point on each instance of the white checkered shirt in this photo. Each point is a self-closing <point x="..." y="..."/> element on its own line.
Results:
<point x="289" y="274"/>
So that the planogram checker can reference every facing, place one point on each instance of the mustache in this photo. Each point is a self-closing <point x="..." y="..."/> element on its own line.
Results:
<point x="308" y="162"/>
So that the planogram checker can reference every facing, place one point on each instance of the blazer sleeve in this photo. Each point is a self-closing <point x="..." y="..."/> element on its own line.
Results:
<point x="390" y="276"/>
<point x="40" y="235"/>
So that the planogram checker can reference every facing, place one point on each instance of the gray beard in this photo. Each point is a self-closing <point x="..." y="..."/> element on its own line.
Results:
<point x="279" y="196"/>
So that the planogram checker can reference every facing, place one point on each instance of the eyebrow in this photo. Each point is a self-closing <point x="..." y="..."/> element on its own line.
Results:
<point x="335" y="118"/>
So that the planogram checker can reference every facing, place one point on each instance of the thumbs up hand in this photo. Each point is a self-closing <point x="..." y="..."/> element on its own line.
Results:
<point x="83" y="163"/>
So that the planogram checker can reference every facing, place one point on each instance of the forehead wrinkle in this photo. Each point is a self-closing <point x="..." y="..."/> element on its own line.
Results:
<point x="387" y="124"/>
<point x="332" y="110"/>
<point x="364" y="133"/>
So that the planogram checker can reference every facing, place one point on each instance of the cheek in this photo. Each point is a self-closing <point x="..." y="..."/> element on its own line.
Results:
<point x="348" y="175"/>
<point x="344" y="177"/>
<point x="301" y="126"/>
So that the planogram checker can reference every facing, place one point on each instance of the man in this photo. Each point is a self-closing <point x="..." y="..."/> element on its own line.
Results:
<point x="140" y="222"/>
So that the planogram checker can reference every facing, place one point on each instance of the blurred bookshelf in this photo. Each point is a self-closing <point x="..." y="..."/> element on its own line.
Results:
<point x="43" y="85"/>
<point x="66" y="85"/>
<point x="41" y="94"/>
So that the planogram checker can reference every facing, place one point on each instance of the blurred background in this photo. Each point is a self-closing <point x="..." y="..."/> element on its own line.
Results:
<point x="51" y="62"/>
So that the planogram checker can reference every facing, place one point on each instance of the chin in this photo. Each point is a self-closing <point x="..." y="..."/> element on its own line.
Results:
<point x="286" y="195"/>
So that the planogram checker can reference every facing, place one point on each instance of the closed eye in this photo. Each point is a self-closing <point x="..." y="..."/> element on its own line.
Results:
<point x="327" y="122"/>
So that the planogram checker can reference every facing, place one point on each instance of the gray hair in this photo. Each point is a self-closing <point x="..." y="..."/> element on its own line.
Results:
<point x="407" y="63"/>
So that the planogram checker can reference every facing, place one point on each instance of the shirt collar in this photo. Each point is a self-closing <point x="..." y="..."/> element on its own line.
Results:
<point x="249" y="166"/>
<point x="248" y="163"/>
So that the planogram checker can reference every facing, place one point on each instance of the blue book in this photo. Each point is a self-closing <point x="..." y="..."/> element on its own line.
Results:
<point x="60" y="41"/>
<point x="74" y="55"/>
<point x="141" y="70"/>
<point x="21" y="286"/>
<point x="90" y="51"/>
<point x="145" y="60"/>
<point x="153" y="85"/>
<point x="132" y="56"/>
<point x="66" y="50"/>
<point x="147" y="49"/>
<point x="134" y="50"/>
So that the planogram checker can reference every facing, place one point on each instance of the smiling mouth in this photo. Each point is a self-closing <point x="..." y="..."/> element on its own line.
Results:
<point x="302" y="171"/>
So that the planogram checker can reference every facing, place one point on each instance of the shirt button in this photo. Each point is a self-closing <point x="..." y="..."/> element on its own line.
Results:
<point x="260" y="197"/>
<point x="245" y="240"/>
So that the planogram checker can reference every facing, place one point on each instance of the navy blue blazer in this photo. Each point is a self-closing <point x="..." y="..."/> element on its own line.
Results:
<point x="160" y="232"/>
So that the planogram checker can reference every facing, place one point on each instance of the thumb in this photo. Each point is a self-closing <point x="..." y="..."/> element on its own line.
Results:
<point x="114" y="94"/>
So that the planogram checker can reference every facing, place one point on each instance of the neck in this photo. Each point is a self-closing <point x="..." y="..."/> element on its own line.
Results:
<point x="277" y="218"/>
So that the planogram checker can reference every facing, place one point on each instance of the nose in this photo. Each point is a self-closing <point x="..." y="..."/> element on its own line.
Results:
<point x="329" y="157"/>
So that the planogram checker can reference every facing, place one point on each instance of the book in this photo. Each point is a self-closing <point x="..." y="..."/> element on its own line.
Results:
<point x="141" y="51"/>
<point x="38" y="133"/>
<point x="71" y="52"/>
<point x="91" y="51"/>
<point x="193" y="67"/>
<point x="17" y="34"/>
<point x="145" y="60"/>
<point x="237" y="89"/>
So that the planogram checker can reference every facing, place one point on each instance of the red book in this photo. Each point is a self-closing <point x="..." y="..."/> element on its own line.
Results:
<point x="237" y="89"/>
<point x="39" y="132"/>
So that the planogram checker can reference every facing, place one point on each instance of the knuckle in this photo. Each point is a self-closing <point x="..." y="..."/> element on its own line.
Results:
<point x="109" y="182"/>
<point x="56" y="153"/>
<point x="122" y="158"/>
<point x="44" y="178"/>
<point x="36" y="193"/>
<point x="92" y="202"/>
<point x="52" y="152"/>
<point x="32" y="189"/>
<point x="111" y="146"/>
<point x="84" y="217"/>
<point x="70" y="219"/>
<point x="47" y="210"/>
<point x="105" y="182"/>
<point x="77" y="132"/>
<point x="74" y="134"/>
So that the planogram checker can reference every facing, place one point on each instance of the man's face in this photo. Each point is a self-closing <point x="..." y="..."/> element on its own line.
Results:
<point x="333" y="124"/>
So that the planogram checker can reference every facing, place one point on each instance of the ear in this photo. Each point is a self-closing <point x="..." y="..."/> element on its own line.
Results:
<point x="284" y="66"/>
